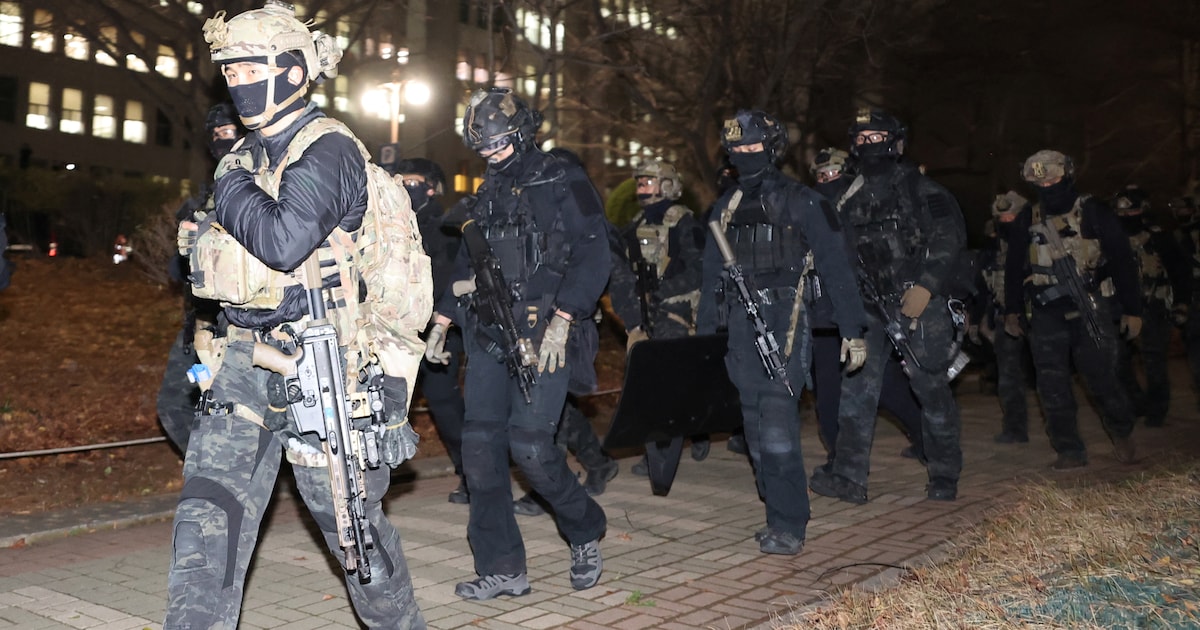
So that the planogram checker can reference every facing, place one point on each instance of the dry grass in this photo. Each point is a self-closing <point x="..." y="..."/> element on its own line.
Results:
<point x="1124" y="555"/>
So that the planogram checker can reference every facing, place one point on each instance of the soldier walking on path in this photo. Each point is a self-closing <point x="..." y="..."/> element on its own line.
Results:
<point x="1068" y="256"/>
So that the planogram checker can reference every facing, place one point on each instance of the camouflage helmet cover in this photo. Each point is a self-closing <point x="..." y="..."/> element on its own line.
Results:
<point x="754" y="126"/>
<point x="267" y="32"/>
<point x="1047" y="165"/>
<point x="829" y="158"/>
<point x="1008" y="203"/>
<point x="670" y="183"/>
<point x="1131" y="200"/>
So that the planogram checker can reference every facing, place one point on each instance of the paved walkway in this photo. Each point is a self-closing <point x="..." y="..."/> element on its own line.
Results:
<point x="684" y="561"/>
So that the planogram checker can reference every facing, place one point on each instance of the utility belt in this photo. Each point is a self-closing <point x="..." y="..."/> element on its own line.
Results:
<point x="1044" y="295"/>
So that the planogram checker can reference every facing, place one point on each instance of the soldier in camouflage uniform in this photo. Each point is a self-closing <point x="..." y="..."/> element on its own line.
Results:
<point x="1010" y="351"/>
<point x="772" y="222"/>
<point x="177" y="395"/>
<point x="1186" y="313"/>
<point x="664" y="244"/>
<point x="283" y="217"/>
<point x="910" y="232"/>
<point x="1164" y="276"/>
<point x="1059" y="336"/>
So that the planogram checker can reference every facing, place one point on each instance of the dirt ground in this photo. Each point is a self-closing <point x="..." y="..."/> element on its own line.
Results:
<point x="83" y="344"/>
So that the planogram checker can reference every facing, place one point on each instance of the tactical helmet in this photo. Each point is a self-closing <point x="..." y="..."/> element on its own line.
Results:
<point x="828" y="159"/>
<point x="1132" y="200"/>
<point x="495" y="118"/>
<point x="267" y="32"/>
<point x="1008" y="203"/>
<point x="1047" y="165"/>
<point x="878" y="120"/>
<point x="670" y="184"/>
<point x="220" y="115"/>
<point x="1183" y="208"/>
<point x="753" y="126"/>
<point x="428" y="169"/>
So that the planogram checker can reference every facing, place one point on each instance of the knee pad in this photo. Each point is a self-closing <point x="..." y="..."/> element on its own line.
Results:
<point x="201" y="541"/>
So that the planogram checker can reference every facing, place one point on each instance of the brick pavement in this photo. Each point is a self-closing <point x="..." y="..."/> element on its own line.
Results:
<point x="684" y="561"/>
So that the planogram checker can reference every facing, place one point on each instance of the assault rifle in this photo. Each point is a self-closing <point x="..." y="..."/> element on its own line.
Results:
<point x="1066" y="275"/>
<point x="647" y="285"/>
<point x="494" y="304"/>
<point x="764" y="340"/>
<point x="886" y="299"/>
<point x="315" y="381"/>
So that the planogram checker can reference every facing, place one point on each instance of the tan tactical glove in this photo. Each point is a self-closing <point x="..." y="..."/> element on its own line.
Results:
<point x="553" y="352"/>
<point x="233" y="161"/>
<point x="435" y="345"/>
<point x="1131" y="326"/>
<point x="854" y="353"/>
<point x="185" y="239"/>
<point x="1012" y="325"/>
<point x="914" y="301"/>
<point x="463" y="287"/>
<point x="634" y="336"/>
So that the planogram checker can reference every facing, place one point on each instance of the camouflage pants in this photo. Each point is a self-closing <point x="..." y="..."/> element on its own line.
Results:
<point x="1010" y="382"/>
<point x="1056" y="343"/>
<point x="229" y="477"/>
<point x="177" y="396"/>
<point x="1153" y="401"/>
<point x="941" y="424"/>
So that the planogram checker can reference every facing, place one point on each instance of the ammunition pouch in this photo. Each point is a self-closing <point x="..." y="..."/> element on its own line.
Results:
<point x="224" y="271"/>
<point x="765" y="248"/>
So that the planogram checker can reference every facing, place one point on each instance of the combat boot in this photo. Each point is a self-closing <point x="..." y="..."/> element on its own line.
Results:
<point x="838" y="487"/>
<point x="490" y="586"/>
<point x="781" y="543"/>
<point x="586" y="565"/>
<point x="737" y="444"/>
<point x="460" y="495"/>
<point x="528" y="506"/>
<point x="642" y="468"/>
<point x="1067" y="461"/>
<point x="598" y="478"/>
<point x="941" y="489"/>
<point x="1124" y="450"/>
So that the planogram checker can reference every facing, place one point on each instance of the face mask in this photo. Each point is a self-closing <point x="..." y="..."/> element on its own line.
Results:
<point x="251" y="100"/>
<point x="218" y="148"/>
<point x="500" y="166"/>
<point x="750" y="164"/>
<point x="419" y="195"/>
<point x="1058" y="198"/>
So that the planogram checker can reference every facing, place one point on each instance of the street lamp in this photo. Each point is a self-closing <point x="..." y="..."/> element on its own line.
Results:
<point x="387" y="100"/>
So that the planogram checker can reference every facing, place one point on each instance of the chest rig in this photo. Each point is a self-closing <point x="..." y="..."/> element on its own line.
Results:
<point x="1085" y="252"/>
<point x="507" y="223"/>
<point x="762" y="242"/>
<point x="1155" y="284"/>
<point x="886" y="226"/>
<point x="654" y="240"/>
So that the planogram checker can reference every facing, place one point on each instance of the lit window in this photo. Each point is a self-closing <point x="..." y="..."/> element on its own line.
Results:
<point x="462" y="71"/>
<point x="135" y="123"/>
<point x="42" y="38"/>
<point x="195" y="8"/>
<point x="72" y="111"/>
<point x="38" y="115"/>
<point x="76" y="46"/>
<point x="481" y="73"/>
<point x="108" y="41"/>
<point x="318" y="97"/>
<point x="341" y="94"/>
<point x="402" y="55"/>
<point x="132" y="61"/>
<point x="166" y="64"/>
<point x="504" y="79"/>
<point x="11" y="27"/>
<point x="386" y="49"/>
<point x="343" y="33"/>
<point x="530" y="80"/>
<point x="104" y="123"/>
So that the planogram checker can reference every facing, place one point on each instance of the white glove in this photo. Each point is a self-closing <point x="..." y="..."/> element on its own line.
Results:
<point x="854" y="353"/>
<point x="435" y="345"/>
<point x="553" y="352"/>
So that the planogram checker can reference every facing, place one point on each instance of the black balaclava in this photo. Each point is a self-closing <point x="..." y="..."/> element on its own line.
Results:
<point x="506" y="163"/>
<point x="655" y="212"/>
<point x="251" y="100"/>
<point x="1058" y="198"/>
<point x="876" y="159"/>
<point x="419" y="195"/>
<point x="221" y="146"/>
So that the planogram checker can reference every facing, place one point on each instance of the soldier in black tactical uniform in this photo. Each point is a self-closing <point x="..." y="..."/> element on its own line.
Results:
<point x="1071" y="320"/>
<point x="771" y="222"/>
<point x="664" y="245"/>
<point x="426" y="182"/>
<point x="177" y="395"/>
<point x="1186" y="313"/>
<point x="1010" y="351"/>
<point x="831" y="170"/>
<point x="909" y="238"/>
<point x="544" y="222"/>
<point x="1165" y="278"/>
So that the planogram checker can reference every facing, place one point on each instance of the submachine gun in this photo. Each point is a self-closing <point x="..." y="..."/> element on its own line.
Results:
<point x="764" y="340"/>
<point x="494" y="305"/>
<point x="647" y="286"/>
<point x="879" y="290"/>
<point x="1066" y="274"/>
<point x="350" y="428"/>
